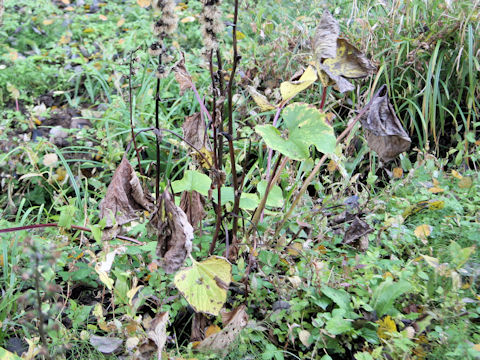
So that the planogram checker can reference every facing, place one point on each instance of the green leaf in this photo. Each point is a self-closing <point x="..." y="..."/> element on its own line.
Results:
<point x="7" y="355"/>
<point x="192" y="181"/>
<point x="386" y="293"/>
<point x="338" y="325"/>
<point x="66" y="216"/>
<point x="247" y="201"/>
<point x="460" y="256"/>
<point x="275" y="196"/>
<point x="205" y="284"/>
<point x="338" y="296"/>
<point x="305" y="126"/>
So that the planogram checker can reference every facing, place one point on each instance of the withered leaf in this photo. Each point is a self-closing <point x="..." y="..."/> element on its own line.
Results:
<point x="158" y="332"/>
<point x="192" y="204"/>
<point x="124" y="198"/>
<point x="384" y="132"/>
<point x="194" y="131"/>
<point x="356" y="234"/>
<point x="325" y="40"/>
<point x="233" y="322"/>
<point x="174" y="233"/>
<point x="182" y="75"/>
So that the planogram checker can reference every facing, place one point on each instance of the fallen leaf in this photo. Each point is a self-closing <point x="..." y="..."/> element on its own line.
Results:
<point x="397" y="172"/>
<point x="102" y="17"/>
<point x="143" y="3"/>
<point x="357" y="234"/>
<point x="187" y="19"/>
<point x="384" y="132"/>
<point x="174" y="233"/>
<point x="205" y="284"/>
<point x="423" y="231"/>
<point x="158" y="332"/>
<point x="123" y="199"/>
<point x="261" y="100"/>
<point x="106" y="345"/>
<point x="304" y="337"/>
<point x="50" y="160"/>
<point x="465" y="183"/>
<point x="120" y="22"/>
<point x="436" y="190"/>
<point x="233" y="322"/>
<point x="48" y="22"/>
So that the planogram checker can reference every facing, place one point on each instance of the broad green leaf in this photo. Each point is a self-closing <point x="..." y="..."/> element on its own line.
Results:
<point x="288" y="89"/>
<point x="192" y="181"/>
<point x="275" y="196"/>
<point x="386" y="293"/>
<point x="338" y="325"/>
<point x="338" y="296"/>
<point x="247" y="201"/>
<point x="305" y="126"/>
<point x="66" y="216"/>
<point x="7" y="355"/>
<point x="460" y="256"/>
<point x="205" y="284"/>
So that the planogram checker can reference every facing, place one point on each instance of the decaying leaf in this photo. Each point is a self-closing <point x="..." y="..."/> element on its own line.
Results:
<point x="260" y="99"/>
<point x="192" y="204"/>
<point x="174" y="233"/>
<point x="123" y="199"/>
<point x="158" y="332"/>
<point x="384" y="132"/>
<point x="336" y="59"/>
<point x="233" y="322"/>
<point x="357" y="234"/>
<point x="194" y="131"/>
<point x="106" y="345"/>
<point x="182" y="75"/>
<point x="199" y="322"/>
<point x="325" y="39"/>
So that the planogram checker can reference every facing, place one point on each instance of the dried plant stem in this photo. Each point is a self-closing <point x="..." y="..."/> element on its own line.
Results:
<point x="317" y="167"/>
<point x="130" y="100"/>
<point x="236" y="203"/>
<point x="157" y="143"/>
<point x="41" y="317"/>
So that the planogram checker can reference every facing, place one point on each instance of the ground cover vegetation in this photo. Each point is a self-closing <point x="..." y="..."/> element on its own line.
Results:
<point x="239" y="179"/>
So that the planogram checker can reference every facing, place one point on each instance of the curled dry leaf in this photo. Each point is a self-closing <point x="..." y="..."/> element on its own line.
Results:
<point x="336" y="59"/>
<point x="194" y="131"/>
<point x="260" y="99"/>
<point x="357" y="234"/>
<point x="384" y="132"/>
<point x="158" y="332"/>
<point x="123" y="199"/>
<point x="174" y="233"/>
<point x="233" y="322"/>
<point x="106" y="345"/>
<point x="182" y="75"/>
<point x="192" y="204"/>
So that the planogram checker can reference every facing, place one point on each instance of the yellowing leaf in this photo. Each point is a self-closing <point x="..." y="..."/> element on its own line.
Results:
<point x="48" y="22"/>
<point x="332" y="166"/>
<point x="7" y="355"/>
<point x="212" y="329"/>
<point x="240" y="35"/>
<point x="423" y="231"/>
<point x="260" y="99"/>
<point x="397" y="172"/>
<point x="436" y="190"/>
<point x="289" y="89"/>
<point x="187" y="19"/>
<point x="386" y="327"/>
<point x="205" y="284"/>
<point x="88" y="30"/>
<point x="143" y="3"/>
<point x="294" y="249"/>
<point x="465" y="183"/>
<point x="456" y="174"/>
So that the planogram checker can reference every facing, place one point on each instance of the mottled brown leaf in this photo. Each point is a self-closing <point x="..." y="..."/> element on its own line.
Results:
<point x="325" y="39"/>
<point x="194" y="131"/>
<point x="123" y="199"/>
<point x="192" y="203"/>
<point x="182" y="76"/>
<point x="357" y="234"/>
<point x="174" y="233"/>
<point x="158" y="332"/>
<point x="233" y="322"/>
<point x="384" y="132"/>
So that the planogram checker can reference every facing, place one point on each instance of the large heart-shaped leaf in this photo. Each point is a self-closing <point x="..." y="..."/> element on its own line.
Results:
<point x="305" y="126"/>
<point x="192" y="181"/>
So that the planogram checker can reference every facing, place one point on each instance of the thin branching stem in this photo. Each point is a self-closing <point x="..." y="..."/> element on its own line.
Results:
<point x="130" y="100"/>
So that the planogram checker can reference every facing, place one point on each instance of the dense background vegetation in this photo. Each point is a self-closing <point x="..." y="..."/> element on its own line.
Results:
<point x="407" y="287"/>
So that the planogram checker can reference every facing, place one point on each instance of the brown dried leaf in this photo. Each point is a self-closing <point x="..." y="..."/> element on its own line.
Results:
<point x="192" y="204"/>
<point x="158" y="332"/>
<point x="325" y="39"/>
<point x="199" y="323"/>
<point x="234" y="322"/>
<point x="182" y="76"/>
<point x="124" y="198"/>
<point x="194" y="131"/>
<point x="174" y="233"/>
<point x="356" y="235"/>
<point x="384" y="132"/>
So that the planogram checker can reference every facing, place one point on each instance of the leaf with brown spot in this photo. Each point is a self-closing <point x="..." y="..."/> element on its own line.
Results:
<point x="233" y="322"/>
<point x="357" y="234"/>
<point x="192" y="203"/>
<point x="325" y="40"/>
<point x="123" y="199"/>
<point x="384" y="132"/>
<point x="174" y="233"/>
